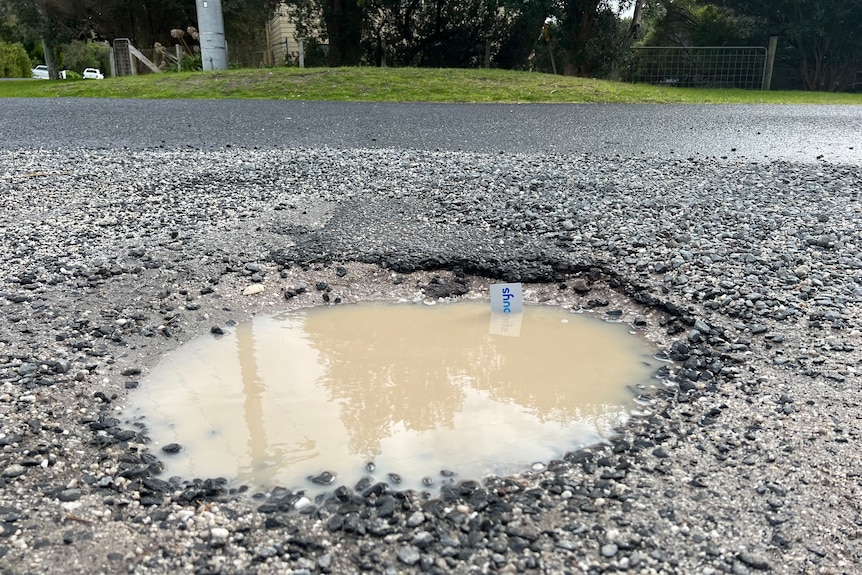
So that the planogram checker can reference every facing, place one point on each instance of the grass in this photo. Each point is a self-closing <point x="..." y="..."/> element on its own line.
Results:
<point x="400" y="85"/>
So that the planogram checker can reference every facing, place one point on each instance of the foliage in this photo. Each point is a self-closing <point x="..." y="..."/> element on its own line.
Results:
<point x="820" y="39"/>
<point x="315" y="54"/>
<point x="522" y="38"/>
<point x="245" y="22"/>
<point x="185" y="56"/>
<point x="14" y="62"/>
<point x="144" y="22"/>
<point x="443" y="34"/>
<point x="687" y="23"/>
<point x="10" y="28"/>
<point x="596" y="41"/>
<point x="577" y="19"/>
<point x="436" y="33"/>
<point x="78" y="55"/>
<point x="671" y="23"/>
<point x="609" y="47"/>
<point x="719" y="26"/>
<point x="336" y="24"/>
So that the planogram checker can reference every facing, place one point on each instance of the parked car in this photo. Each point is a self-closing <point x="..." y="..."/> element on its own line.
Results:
<point x="93" y="74"/>
<point x="40" y="72"/>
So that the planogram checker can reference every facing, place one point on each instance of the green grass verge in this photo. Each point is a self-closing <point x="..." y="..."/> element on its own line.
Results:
<point x="400" y="85"/>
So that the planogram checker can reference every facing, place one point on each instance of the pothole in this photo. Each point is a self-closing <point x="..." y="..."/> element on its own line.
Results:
<point x="410" y="394"/>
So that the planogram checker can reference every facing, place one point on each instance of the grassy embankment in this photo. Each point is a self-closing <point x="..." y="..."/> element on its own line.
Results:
<point x="400" y="85"/>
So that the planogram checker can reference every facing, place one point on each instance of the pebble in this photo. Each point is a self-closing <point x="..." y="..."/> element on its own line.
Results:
<point x="416" y="518"/>
<point x="409" y="555"/>
<point x="14" y="470"/>
<point x="253" y="289"/>
<point x="69" y="495"/>
<point x="219" y="533"/>
<point x="754" y="561"/>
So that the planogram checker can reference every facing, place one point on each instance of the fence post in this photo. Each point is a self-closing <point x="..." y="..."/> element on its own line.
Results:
<point x="179" y="51"/>
<point x="301" y="54"/>
<point x="770" y="62"/>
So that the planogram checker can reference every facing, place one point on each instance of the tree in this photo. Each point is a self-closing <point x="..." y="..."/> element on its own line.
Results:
<point x="521" y="35"/>
<point x="338" y="22"/>
<point x="671" y="23"/>
<point x="441" y="33"/>
<point x="44" y="23"/>
<point x="458" y="33"/>
<point x="821" y="39"/>
<point x="78" y="55"/>
<point x="245" y="23"/>
<point x="343" y="20"/>
<point x="14" y="62"/>
<point x="593" y="36"/>
<point x="577" y="23"/>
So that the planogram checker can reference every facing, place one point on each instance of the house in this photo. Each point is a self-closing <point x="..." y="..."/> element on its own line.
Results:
<point x="281" y="39"/>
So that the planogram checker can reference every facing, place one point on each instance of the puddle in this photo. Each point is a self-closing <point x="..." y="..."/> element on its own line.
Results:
<point x="414" y="389"/>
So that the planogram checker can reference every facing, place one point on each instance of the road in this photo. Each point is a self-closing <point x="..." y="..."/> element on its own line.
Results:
<point x="803" y="133"/>
<point x="749" y="277"/>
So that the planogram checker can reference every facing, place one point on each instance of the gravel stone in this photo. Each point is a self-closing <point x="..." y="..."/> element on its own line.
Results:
<point x="409" y="555"/>
<point x="14" y="470"/>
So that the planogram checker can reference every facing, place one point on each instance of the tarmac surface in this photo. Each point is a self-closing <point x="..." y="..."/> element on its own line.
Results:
<point x="728" y="236"/>
<point x="805" y="133"/>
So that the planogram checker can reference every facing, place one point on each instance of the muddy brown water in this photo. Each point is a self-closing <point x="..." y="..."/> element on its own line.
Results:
<point x="410" y="388"/>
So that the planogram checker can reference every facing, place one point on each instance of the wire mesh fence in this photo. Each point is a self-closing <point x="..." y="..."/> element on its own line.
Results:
<point x="700" y="67"/>
<point x="176" y="58"/>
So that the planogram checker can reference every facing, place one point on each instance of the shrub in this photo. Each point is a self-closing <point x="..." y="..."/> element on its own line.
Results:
<point x="78" y="55"/>
<point x="14" y="62"/>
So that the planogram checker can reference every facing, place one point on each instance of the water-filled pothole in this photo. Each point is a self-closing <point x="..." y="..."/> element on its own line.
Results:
<point x="414" y="389"/>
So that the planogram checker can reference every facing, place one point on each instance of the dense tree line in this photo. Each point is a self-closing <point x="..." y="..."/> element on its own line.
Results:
<point x="820" y="41"/>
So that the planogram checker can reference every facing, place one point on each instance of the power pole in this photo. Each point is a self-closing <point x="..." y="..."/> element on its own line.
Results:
<point x="211" y="29"/>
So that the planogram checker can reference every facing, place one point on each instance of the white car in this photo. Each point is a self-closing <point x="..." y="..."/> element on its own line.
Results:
<point x="93" y="74"/>
<point x="40" y="72"/>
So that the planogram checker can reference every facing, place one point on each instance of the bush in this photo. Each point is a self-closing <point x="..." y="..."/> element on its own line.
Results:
<point x="78" y="55"/>
<point x="14" y="62"/>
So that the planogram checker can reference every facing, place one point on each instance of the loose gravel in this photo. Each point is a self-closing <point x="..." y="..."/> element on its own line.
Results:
<point x="747" y="275"/>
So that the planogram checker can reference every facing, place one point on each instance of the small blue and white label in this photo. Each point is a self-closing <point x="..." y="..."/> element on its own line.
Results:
<point x="507" y="298"/>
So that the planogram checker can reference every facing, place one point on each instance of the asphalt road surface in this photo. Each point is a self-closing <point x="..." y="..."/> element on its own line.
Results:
<point x="756" y="132"/>
<point x="748" y="276"/>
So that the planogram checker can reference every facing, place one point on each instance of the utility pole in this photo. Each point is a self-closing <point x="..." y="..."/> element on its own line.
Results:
<point x="770" y="62"/>
<point x="211" y="29"/>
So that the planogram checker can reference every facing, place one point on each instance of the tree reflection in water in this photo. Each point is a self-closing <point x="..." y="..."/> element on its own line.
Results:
<point x="413" y="387"/>
<point x="406" y="366"/>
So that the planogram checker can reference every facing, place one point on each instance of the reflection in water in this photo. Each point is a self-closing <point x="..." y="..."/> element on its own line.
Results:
<point x="415" y="388"/>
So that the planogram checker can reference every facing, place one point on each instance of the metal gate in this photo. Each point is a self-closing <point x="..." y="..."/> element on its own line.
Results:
<point x="701" y="67"/>
<point x="122" y="58"/>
